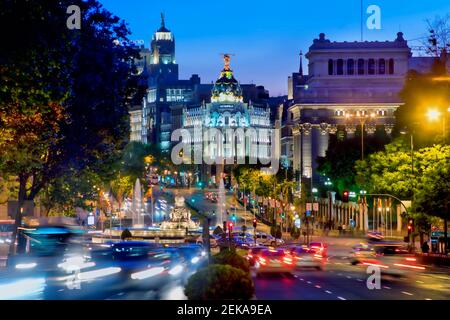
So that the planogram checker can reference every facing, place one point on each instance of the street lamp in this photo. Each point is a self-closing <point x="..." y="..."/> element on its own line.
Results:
<point x="433" y="114"/>
<point x="362" y="119"/>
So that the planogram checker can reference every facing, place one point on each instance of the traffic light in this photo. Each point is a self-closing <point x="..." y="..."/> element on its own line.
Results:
<point x="224" y="226"/>
<point x="233" y="217"/>
<point x="230" y="226"/>
<point x="282" y="215"/>
<point x="410" y="226"/>
<point x="255" y="223"/>
<point x="345" y="196"/>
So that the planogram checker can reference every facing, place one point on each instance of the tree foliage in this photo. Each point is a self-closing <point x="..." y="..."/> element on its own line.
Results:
<point x="220" y="282"/>
<point x="64" y="94"/>
<point x="341" y="156"/>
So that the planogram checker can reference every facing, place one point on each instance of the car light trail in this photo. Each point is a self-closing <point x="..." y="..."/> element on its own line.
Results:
<point x="88" y="275"/>
<point x="147" y="273"/>
<point x="176" y="270"/>
<point x="26" y="265"/>
<point x="409" y="266"/>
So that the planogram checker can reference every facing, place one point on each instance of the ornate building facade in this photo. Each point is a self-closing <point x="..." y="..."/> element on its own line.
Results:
<point x="352" y="89"/>
<point x="240" y="124"/>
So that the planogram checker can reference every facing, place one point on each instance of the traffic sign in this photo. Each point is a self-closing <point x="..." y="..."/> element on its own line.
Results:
<point x="315" y="206"/>
<point x="298" y="223"/>
<point x="308" y="213"/>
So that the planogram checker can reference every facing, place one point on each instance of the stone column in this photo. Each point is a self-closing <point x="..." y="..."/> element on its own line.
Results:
<point x="361" y="217"/>
<point x="366" y="217"/>
<point x="399" y="218"/>
<point x="297" y="152"/>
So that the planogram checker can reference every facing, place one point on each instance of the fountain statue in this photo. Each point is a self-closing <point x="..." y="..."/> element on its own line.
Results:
<point x="180" y="217"/>
<point x="221" y="202"/>
<point x="137" y="206"/>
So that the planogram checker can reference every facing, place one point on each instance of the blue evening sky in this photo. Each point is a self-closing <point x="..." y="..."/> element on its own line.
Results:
<point x="266" y="35"/>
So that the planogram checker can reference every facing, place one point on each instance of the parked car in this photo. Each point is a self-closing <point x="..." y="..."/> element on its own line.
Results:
<point x="268" y="240"/>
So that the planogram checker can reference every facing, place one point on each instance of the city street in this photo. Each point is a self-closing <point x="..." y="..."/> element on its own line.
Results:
<point x="341" y="280"/>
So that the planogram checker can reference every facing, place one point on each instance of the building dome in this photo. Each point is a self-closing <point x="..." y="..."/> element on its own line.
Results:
<point x="226" y="88"/>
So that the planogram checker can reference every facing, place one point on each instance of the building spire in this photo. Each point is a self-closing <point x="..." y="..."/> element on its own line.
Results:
<point x="301" y="64"/>
<point x="162" y="20"/>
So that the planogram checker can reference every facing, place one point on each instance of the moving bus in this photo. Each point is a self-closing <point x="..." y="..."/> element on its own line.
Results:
<point x="6" y="229"/>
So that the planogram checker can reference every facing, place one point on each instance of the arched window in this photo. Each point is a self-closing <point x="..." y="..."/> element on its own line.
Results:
<point x="391" y="66"/>
<point x="381" y="66"/>
<point x="371" y="66"/>
<point x="360" y="66"/>
<point x="350" y="66"/>
<point x="330" y="67"/>
<point x="340" y="67"/>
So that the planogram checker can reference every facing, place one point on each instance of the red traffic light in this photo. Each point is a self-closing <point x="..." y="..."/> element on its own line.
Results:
<point x="255" y="222"/>
<point x="230" y="225"/>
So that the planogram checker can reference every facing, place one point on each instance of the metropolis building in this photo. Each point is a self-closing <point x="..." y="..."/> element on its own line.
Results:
<point x="245" y="127"/>
<point x="161" y="112"/>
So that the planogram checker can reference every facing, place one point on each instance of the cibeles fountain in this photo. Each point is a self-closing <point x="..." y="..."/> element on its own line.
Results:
<point x="173" y="230"/>
<point x="180" y="217"/>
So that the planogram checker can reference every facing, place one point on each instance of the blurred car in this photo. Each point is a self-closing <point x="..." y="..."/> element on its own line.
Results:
<point x="375" y="236"/>
<point x="274" y="261"/>
<point x="305" y="257"/>
<point x="391" y="248"/>
<point x="253" y="254"/>
<point x="268" y="240"/>
<point x="195" y="255"/>
<point x="163" y="266"/>
<point x="320" y="247"/>
<point x="362" y="252"/>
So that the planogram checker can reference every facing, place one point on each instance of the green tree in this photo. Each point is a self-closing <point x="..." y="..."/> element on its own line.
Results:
<point x="63" y="93"/>
<point x="341" y="157"/>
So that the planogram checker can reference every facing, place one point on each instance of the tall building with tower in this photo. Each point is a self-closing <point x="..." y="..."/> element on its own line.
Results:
<point x="161" y="111"/>
<point x="245" y="127"/>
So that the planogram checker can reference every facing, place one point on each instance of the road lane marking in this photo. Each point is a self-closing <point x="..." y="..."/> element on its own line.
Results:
<point x="386" y="287"/>
<point x="339" y="274"/>
<point x="329" y="292"/>
<point x="302" y="279"/>
<point x="360" y="280"/>
<point x="341" y="298"/>
<point x="407" y="293"/>
<point x="348" y="277"/>
<point x="428" y="299"/>
<point x="318" y="287"/>
<point x="309" y="282"/>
